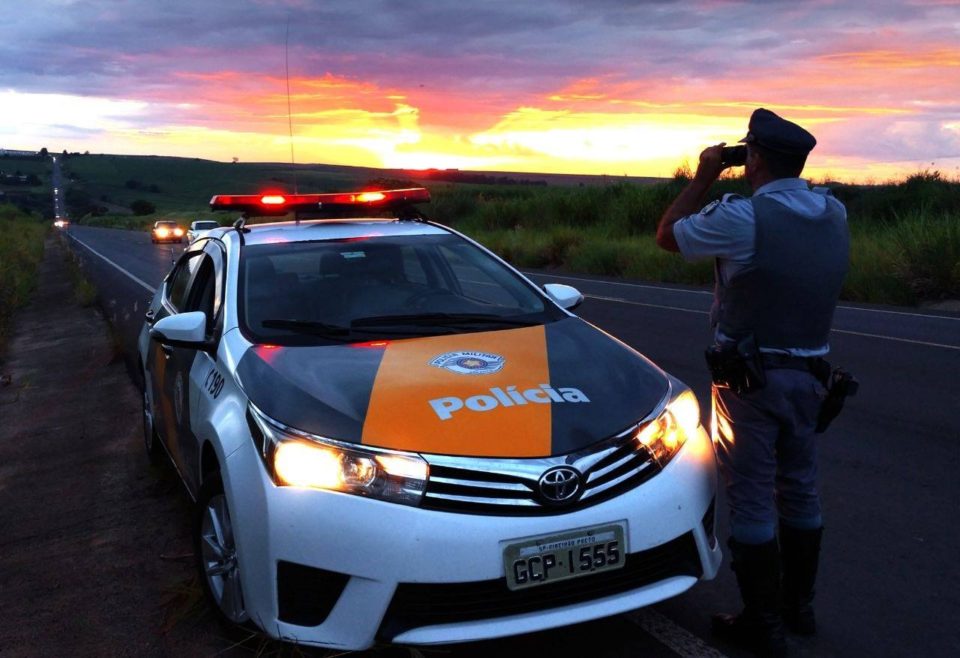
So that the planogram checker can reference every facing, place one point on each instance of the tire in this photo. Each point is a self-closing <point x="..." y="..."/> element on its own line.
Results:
<point x="216" y="553"/>
<point x="150" y="439"/>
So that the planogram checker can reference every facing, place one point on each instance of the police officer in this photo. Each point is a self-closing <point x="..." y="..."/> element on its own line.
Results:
<point x="780" y="259"/>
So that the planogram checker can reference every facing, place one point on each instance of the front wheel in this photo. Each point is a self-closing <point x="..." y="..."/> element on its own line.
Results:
<point x="216" y="552"/>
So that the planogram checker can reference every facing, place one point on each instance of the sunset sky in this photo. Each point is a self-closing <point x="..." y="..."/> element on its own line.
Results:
<point x="564" y="86"/>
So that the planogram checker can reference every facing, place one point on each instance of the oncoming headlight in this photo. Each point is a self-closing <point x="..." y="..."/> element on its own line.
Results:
<point x="664" y="435"/>
<point x="300" y="460"/>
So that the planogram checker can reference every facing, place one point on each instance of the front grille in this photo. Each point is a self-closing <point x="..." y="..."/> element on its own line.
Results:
<point x="416" y="605"/>
<point x="510" y="486"/>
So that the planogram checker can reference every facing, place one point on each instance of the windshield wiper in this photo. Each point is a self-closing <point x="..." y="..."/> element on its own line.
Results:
<point x="441" y="319"/>
<point x="315" y="328"/>
<point x="307" y="327"/>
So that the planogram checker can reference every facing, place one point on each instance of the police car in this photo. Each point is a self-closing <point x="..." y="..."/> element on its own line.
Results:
<point x="393" y="436"/>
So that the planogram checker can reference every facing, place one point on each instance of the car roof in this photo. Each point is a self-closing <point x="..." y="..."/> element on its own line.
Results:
<point x="336" y="229"/>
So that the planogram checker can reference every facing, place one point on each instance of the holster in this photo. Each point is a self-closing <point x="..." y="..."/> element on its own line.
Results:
<point x="839" y="384"/>
<point x="737" y="367"/>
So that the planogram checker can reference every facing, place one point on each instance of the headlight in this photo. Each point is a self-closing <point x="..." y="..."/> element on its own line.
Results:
<point x="301" y="460"/>
<point x="664" y="435"/>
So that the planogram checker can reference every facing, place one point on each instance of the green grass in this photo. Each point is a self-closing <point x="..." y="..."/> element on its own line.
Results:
<point x="905" y="243"/>
<point x="913" y="259"/>
<point x="21" y="248"/>
<point x="186" y="185"/>
<point x="26" y="165"/>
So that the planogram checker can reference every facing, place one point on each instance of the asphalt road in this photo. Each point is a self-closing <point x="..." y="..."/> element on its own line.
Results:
<point x="889" y="464"/>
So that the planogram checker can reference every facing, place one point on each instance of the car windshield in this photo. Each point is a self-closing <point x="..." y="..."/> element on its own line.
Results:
<point x="205" y="226"/>
<point x="165" y="224"/>
<point x="353" y="290"/>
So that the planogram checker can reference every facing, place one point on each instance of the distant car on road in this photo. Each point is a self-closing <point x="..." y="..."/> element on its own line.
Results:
<point x="166" y="231"/>
<point x="200" y="228"/>
<point x="62" y="222"/>
<point x="394" y="436"/>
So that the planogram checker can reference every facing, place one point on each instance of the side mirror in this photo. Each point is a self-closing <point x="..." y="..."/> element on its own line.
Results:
<point x="566" y="297"/>
<point x="182" y="330"/>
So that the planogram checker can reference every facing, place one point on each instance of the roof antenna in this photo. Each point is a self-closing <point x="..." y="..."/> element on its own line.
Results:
<point x="286" y="61"/>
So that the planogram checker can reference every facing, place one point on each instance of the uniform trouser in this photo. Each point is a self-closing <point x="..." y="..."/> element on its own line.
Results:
<point x="766" y="448"/>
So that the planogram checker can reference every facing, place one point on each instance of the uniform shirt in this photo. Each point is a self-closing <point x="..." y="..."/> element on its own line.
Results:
<point x="725" y="230"/>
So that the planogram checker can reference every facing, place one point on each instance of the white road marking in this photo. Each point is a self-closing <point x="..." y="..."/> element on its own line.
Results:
<point x="902" y="340"/>
<point x="676" y="638"/>
<point x="839" y="331"/>
<point x="707" y="292"/>
<point x="911" y="315"/>
<point x="621" y="283"/>
<point x="633" y="303"/>
<point x="131" y="276"/>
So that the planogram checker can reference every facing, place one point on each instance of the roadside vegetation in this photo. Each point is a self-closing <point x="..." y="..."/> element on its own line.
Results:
<point x="25" y="183"/>
<point x="84" y="292"/>
<point x="905" y="234"/>
<point x="21" y="248"/>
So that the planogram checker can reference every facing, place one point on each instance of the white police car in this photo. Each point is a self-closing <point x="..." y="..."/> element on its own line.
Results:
<point x="392" y="435"/>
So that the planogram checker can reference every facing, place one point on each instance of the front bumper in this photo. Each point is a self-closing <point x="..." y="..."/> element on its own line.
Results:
<point x="354" y="570"/>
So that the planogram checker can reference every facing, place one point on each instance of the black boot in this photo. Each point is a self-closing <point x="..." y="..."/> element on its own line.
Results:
<point x="759" y="627"/>
<point x="800" y="552"/>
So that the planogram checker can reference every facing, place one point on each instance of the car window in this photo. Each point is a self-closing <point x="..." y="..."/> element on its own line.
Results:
<point x="201" y="292"/>
<point x="215" y="252"/>
<point x="287" y="290"/>
<point x="413" y="267"/>
<point x="475" y="280"/>
<point x="177" y="285"/>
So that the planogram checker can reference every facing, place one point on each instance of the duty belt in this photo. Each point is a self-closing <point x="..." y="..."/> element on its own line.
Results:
<point x="813" y="364"/>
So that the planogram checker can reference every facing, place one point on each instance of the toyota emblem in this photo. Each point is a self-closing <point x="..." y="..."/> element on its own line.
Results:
<point x="560" y="485"/>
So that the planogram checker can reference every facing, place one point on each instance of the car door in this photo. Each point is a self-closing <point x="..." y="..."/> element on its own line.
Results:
<point x="169" y="366"/>
<point x="202" y="376"/>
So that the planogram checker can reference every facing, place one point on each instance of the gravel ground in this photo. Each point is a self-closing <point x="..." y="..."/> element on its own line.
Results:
<point x="95" y="556"/>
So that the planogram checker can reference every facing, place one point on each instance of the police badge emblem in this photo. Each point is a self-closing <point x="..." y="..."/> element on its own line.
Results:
<point x="469" y="363"/>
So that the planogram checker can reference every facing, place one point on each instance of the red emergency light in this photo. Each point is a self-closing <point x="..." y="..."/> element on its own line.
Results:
<point x="281" y="204"/>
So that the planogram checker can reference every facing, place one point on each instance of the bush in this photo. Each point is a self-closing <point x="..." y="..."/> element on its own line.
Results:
<point x="21" y="248"/>
<point x="142" y="207"/>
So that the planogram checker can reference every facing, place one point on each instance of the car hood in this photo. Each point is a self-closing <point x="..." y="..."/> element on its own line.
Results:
<point x="527" y="392"/>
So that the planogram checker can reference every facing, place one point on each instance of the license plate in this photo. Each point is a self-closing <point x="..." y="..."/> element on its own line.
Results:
<point x="572" y="554"/>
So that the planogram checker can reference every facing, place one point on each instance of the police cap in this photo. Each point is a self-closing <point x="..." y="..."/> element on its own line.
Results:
<point x="777" y="134"/>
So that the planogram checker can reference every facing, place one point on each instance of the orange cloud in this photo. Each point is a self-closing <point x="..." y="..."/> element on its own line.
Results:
<point x="886" y="60"/>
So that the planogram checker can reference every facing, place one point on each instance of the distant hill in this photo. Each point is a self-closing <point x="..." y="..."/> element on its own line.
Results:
<point x="105" y="184"/>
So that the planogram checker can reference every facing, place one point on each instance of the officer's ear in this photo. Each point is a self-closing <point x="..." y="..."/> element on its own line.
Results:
<point x="755" y="161"/>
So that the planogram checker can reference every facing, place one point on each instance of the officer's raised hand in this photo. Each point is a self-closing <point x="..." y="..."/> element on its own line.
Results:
<point x="711" y="163"/>
<point x="691" y="198"/>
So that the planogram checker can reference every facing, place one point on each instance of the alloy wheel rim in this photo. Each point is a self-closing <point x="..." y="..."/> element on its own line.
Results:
<point x="219" y="555"/>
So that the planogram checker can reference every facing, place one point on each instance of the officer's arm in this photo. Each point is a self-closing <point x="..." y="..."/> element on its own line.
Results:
<point x="690" y="200"/>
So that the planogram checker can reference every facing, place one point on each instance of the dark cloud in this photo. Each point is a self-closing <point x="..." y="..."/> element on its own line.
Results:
<point x="102" y="45"/>
<point x="504" y="53"/>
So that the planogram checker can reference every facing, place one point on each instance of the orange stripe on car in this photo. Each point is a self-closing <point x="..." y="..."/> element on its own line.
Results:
<point x="430" y="398"/>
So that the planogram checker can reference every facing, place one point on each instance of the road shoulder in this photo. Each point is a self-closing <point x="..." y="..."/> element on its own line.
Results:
<point x="95" y="546"/>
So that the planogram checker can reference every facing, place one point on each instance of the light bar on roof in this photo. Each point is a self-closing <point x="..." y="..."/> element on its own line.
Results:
<point x="281" y="204"/>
